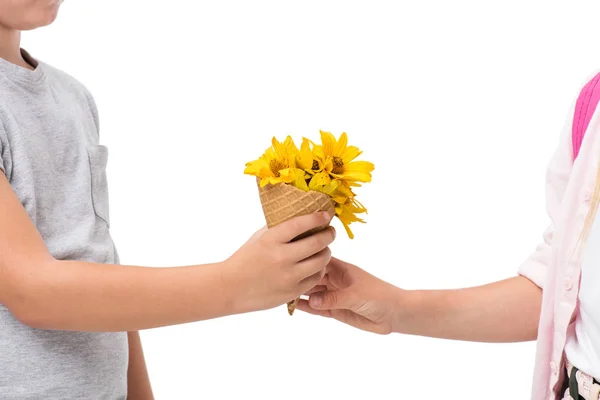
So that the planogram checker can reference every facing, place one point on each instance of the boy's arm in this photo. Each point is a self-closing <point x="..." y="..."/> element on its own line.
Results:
<point x="138" y="382"/>
<point x="74" y="295"/>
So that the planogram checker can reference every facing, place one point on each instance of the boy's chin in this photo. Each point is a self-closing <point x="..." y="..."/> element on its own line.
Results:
<point x="38" y="20"/>
<point x="38" y="24"/>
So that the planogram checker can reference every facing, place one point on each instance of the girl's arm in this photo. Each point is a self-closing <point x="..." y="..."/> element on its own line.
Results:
<point x="74" y="295"/>
<point x="505" y="311"/>
<point x="138" y="383"/>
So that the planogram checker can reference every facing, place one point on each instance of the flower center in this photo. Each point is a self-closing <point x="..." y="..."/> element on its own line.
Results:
<point x="338" y="165"/>
<point x="276" y="166"/>
<point x="315" y="166"/>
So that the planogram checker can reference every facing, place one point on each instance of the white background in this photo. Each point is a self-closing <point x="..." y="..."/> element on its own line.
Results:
<point x="458" y="103"/>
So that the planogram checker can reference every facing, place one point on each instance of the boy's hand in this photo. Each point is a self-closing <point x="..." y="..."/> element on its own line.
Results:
<point x="354" y="297"/>
<point x="270" y="270"/>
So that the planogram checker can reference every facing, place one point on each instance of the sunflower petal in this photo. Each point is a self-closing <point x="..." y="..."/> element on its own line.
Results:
<point x="282" y="150"/>
<point x="350" y="153"/>
<point x="264" y="182"/>
<point x="339" y="199"/>
<point x="363" y="166"/>
<point x="329" y="188"/>
<point x="356" y="207"/>
<point x="356" y="171"/>
<point x="340" y="146"/>
<point x="305" y="158"/>
<point x="339" y="209"/>
<point x="277" y="146"/>
<point x="300" y="183"/>
<point x="295" y="177"/>
<point x="353" y="184"/>
<point x="288" y="142"/>
<point x="328" y="164"/>
<point x="320" y="179"/>
<point x="270" y="154"/>
<point x="346" y="227"/>
<point x="273" y="180"/>
<point x="259" y="168"/>
<point x="328" y="141"/>
<point x="354" y="177"/>
<point x="345" y="189"/>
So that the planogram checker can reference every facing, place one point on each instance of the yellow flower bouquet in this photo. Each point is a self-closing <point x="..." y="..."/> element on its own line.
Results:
<point x="315" y="177"/>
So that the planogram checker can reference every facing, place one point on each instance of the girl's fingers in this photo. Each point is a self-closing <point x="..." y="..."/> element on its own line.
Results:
<point x="304" y="306"/>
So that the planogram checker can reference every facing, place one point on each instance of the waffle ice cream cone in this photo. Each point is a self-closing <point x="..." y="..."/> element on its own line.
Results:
<point x="282" y="202"/>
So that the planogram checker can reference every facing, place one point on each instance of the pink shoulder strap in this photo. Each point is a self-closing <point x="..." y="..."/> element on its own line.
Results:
<point x="584" y="110"/>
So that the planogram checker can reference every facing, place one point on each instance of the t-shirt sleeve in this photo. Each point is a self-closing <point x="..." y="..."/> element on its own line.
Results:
<point x="4" y="151"/>
<point x="93" y="109"/>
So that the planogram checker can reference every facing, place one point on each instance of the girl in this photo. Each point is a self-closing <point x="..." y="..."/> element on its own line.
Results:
<point x="546" y="301"/>
<point x="65" y="304"/>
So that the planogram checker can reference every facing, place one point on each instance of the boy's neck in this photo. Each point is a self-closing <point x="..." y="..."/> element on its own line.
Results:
<point x="10" y="47"/>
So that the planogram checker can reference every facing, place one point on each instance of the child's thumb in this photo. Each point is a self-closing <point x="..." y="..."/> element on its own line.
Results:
<point x="331" y="300"/>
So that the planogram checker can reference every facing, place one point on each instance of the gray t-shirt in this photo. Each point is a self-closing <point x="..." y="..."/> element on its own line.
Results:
<point x="50" y="153"/>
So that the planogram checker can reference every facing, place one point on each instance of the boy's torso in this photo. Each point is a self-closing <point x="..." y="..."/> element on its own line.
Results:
<point x="50" y="153"/>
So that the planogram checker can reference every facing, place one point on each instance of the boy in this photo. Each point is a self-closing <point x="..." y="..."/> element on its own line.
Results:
<point x="65" y="304"/>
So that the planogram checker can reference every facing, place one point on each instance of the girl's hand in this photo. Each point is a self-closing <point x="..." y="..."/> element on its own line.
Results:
<point x="504" y="311"/>
<point x="270" y="270"/>
<point x="354" y="297"/>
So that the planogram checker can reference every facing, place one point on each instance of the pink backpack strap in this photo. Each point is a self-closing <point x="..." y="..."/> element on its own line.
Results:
<point x="584" y="110"/>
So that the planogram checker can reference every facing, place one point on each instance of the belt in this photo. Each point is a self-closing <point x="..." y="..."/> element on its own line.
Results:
<point x="581" y="385"/>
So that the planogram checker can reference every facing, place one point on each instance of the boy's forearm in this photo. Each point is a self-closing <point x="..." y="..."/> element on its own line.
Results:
<point x="505" y="311"/>
<point x="81" y="296"/>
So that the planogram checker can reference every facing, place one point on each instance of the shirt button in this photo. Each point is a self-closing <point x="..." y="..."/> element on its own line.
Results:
<point x="568" y="284"/>
<point x="587" y="195"/>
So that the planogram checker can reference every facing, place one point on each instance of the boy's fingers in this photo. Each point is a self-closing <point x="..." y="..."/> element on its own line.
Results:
<point x="258" y="234"/>
<point x="288" y="230"/>
<point x="310" y="282"/>
<point x="314" y="266"/>
<point x="318" y="288"/>
<point x="303" y="306"/>
<point x="305" y="248"/>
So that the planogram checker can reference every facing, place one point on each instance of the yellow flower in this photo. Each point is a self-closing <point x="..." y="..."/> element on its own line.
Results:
<point x="336" y="157"/>
<point x="328" y="168"/>
<point x="347" y="214"/>
<point x="278" y="157"/>
<point x="304" y="158"/>
<point x="346" y="206"/>
<point x="334" y="189"/>
<point x="295" y="177"/>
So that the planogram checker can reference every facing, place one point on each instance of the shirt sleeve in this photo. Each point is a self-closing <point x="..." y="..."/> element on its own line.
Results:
<point x="93" y="109"/>
<point x="535" y="267"/>
<point x="4" y="151"/>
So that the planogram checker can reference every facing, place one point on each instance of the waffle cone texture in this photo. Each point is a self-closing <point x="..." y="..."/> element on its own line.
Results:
<point x="283" y="202"/>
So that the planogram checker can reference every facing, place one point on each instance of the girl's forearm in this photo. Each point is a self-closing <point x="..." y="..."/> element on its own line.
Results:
<point x="81" y="296"/>
<point x="505" y="311"/>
